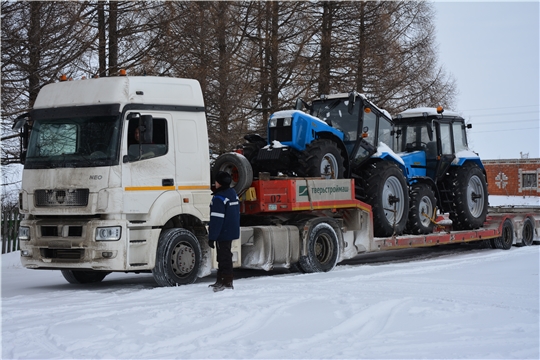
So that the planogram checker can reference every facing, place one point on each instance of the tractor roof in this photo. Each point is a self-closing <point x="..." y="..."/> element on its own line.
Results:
<point x="420" y="112"/>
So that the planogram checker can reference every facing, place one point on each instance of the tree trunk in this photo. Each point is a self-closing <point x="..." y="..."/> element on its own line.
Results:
<point x="102" y="57"/>
<point x="326" y="44"/>
<point x="113" y="38"/>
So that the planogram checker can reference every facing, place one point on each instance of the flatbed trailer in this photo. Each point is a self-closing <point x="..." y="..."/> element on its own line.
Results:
<point x="279" y="215"/>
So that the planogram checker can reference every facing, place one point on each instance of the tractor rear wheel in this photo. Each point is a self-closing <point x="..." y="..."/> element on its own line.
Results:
<point x="423" y="203"/>
<point x="469" y="197"/>
<point x="322" y="158"/>
<point x="385" y="189"/>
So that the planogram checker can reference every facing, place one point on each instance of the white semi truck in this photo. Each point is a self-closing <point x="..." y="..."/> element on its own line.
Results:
<point x="117" y="179"/>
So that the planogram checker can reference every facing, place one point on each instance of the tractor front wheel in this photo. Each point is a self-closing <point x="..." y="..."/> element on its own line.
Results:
<point x="322" y="158"/>
<point x="423" y="204"/>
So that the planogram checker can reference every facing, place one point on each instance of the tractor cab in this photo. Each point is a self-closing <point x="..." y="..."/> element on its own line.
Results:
<point x="429" y="141"/>
<point x="362" y="123"/>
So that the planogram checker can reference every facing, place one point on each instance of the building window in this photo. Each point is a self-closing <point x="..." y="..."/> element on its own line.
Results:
<point x="528" y="180"/>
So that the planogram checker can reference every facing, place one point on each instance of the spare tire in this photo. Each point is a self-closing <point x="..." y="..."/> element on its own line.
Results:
<point x="238" y="166"/>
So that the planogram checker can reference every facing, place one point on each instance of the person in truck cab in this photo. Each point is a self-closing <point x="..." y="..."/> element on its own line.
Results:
<point x="224" y="227"/>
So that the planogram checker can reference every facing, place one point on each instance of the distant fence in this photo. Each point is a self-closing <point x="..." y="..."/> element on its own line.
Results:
<point x="10" y="230"/>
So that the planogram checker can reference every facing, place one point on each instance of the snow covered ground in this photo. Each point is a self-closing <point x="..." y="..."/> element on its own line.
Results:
<point x="444" y="302"/>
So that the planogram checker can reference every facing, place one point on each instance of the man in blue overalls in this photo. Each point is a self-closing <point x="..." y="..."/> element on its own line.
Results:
<point x="224" y="227"/>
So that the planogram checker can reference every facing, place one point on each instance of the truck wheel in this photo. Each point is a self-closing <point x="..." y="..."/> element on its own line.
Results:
<point x="527" y="234"/>
<point x="470" y="197"/>
<point x="422" y="204"/>
<point x="178" y="258"/>
<point x="239" y="167"/>
<point x="385" y="189"/>
<point x="84" y="276"/>
<point x="507" y="236"/>
<point x="322" y="249"/>
<point x="322" y="158"/>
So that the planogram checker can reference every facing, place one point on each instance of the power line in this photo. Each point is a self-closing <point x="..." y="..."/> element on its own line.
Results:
<point x="515" y="113"/>
<point x="487" y="131"/>
<point x="508" y="107"/>
<point x="508" y="122"/>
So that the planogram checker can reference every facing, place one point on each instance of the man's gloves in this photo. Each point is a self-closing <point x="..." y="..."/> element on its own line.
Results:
<point x="211" y="243"/>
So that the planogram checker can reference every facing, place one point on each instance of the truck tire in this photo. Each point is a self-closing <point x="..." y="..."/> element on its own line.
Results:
<point x="384" y="187"/>
<point x="178" y="258"/>
<point x="504" y="242"/>
<point x="422" y="203"/>
<point x="322" y="248"/>
<point x="84" y="276"/>
<point x="469" y="197"/>
<point x="239" y="167"/>
<point x="527" y="234"/>
<point x="322" y="158"/>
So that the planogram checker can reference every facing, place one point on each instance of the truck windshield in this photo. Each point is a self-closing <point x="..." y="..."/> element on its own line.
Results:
<point x="73" y="142"/>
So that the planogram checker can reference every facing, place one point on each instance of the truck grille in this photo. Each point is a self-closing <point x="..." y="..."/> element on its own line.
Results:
<point x="60" y="197"/>
<point x="52" y="230"/>
<point x="62" y="254"/>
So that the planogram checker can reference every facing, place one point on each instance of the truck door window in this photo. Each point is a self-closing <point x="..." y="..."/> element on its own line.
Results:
<point x="158" y="147"/>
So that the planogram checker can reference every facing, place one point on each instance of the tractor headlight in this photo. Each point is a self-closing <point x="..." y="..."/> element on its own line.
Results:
<point x="111" y="233"/>
<point x="24" y="233"/>
<point x="272" y="122"/>
<point x="287" y="121"/>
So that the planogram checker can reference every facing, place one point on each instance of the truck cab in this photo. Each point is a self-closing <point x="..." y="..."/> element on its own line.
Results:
<point x="110" y="163"/>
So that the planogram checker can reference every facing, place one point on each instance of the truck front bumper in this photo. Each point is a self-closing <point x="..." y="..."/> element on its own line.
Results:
<point x="72" y="244"/>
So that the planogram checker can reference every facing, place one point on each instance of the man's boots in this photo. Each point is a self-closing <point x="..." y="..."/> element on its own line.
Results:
<point x="219" y="281"/>
<point x="226" y="284"/>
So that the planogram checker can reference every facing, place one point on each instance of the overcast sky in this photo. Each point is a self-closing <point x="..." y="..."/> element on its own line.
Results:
<point x="492" y="50"/>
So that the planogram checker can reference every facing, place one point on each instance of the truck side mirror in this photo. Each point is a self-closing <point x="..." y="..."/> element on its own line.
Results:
<point x="146" y="128"/>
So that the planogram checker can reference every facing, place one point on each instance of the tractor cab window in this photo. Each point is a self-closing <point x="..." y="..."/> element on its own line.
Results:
<point x="414" y="137"/>
<point x="138" y="150"/>
<point x="385" y="131"/>
<point x="460" y="138"/>
<point x="369" y="127"/>
<point x="446" y="139"/>
<point x="336" y="114"/>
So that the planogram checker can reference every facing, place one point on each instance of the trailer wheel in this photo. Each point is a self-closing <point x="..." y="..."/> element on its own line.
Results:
<point x="385" y="189"/>
<point x="506" y="239"/>
<point x="84" y="276"/>
<point x="178" y="258"/>
<point x="322" y="158"/>
<point x="422" y="205"/>
<point x="527" y="233"/>
<point x="322" y="249"/>
<point x="239" y="167"/>
<point x="470" y="197"/>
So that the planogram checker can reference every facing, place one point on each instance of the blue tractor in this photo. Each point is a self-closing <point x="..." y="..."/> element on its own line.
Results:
<point x="340" y="136"/>
<point x="441" y="170"/>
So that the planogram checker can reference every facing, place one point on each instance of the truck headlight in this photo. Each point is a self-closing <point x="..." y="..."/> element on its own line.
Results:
<point x="272" y="122"/>
<point x="287" y="121"/>
<point x="24" y="233"/>
<point x="110" y="233"/>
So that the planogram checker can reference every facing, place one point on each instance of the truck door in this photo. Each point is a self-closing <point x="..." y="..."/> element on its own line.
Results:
<point x="149" y="168"/>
